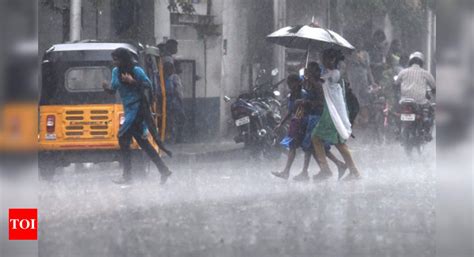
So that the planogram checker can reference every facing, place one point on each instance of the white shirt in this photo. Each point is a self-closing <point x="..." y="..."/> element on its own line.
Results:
<point x="415" y="82"/>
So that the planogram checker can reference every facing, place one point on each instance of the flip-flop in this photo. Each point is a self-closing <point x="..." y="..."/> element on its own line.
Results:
<point x="281" y="175"/>
<point x="122" y="181"/>
<point x="352" y="177"/>
<point x="301" y="177"/>
<point x="341" y="171"/>
<point x="322" y="176"/>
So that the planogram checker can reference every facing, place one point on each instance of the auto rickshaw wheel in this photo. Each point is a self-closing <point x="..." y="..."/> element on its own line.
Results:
<point x="47" y="168"/>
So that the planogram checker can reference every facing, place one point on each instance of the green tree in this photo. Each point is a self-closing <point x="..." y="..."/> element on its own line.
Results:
<point x="406" y="15"/>
<point x="185" y="5"/>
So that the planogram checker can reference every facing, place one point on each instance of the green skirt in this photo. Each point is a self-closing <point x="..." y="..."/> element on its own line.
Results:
<point x="326" y="130"/>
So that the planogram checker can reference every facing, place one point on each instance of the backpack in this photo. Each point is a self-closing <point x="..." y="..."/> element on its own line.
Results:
<point x="351" y="102"/>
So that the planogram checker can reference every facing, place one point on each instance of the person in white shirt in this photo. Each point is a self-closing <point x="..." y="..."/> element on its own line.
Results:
<point x="415" y="82"/>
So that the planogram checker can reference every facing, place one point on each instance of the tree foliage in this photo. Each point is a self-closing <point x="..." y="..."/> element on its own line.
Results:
<point x="185" y="5"/>
<point x="407" y="15"/>
<point x="55" y="5"/>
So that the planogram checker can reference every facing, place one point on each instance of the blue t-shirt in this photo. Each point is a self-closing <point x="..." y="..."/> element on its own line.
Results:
<point x="130" y="95"/>
<point x="312" y="96"/>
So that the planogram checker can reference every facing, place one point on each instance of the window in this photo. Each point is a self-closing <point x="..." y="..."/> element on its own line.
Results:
<point x="87" y="79"/>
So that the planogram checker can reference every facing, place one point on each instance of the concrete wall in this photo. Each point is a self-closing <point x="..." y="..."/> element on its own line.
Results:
<point x="243" y="26"/>
<point x="162" y="21"/>
<point x="50" y="30"/>
<point x="97" y="23"/>
<point x="207" y="54"/>
<point x="234" y="73"/>
<point x="224" y="62"/>
<point x="147" y="22"/>
<point x="221" y="71"/>
<point x="51" y="24"/>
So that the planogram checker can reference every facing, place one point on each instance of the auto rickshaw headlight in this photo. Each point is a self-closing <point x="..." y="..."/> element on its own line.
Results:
<point x="50" y="123"/>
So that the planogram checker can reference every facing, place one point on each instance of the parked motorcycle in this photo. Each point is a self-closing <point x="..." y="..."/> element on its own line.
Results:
<point x="256" y="114"/>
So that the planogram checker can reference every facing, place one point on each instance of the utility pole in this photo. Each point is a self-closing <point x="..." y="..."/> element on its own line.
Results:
<point x="75" y="22"/>
<point x="430" y="39"/>
<point x="279" y="20"/>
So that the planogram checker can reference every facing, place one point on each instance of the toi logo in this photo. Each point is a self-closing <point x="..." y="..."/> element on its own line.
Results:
<point x="23" y="224"/>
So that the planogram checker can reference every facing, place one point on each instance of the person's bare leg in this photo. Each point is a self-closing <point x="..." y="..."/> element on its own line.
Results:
<point x="364" y="115"/>
<point x="346" y="154"/>
<point x="307" y="160"/>
<point x="289" y="161"/>
<point x="333" y="158"/>
<point x="321" y="157"/>
<point x="316" y="158"/>
<point x="341" y="166"/>
<point x="303" y="176"/>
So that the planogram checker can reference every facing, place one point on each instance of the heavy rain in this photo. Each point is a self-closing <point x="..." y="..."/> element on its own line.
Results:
<point x="235" y="128"/>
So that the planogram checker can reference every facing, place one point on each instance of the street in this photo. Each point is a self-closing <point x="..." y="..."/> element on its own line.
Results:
<point x="236" y="208"/>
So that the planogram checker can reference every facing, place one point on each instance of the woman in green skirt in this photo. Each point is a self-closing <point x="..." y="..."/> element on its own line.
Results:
<point x="334" y="126"/>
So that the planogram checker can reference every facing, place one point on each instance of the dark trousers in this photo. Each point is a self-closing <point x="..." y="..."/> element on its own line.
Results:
<point x="179" y="119"/>
<point x="125" y="140"/>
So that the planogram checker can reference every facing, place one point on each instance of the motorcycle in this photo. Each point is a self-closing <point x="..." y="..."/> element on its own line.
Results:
<point x="378" y="114"/>
<point x="256" y="115"/>
<point x="415" y="121"/>
<point x="415" y="124"/>
<point x="381" y="117"/>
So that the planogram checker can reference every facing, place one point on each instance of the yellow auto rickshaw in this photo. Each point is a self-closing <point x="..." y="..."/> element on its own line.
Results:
<point x="78" y="121"/>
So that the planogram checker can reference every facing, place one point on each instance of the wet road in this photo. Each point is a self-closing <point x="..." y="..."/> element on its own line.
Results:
<point x="236" y="208"/>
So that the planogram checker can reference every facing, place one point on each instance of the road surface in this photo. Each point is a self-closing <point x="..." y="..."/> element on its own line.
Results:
<point x="236" y="208"/>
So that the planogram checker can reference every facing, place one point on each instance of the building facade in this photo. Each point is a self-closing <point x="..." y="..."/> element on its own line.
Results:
<point x="222" y="44"/>
<point x="219" y="44"/>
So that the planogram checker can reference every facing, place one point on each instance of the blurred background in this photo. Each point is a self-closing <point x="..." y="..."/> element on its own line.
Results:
<point x="19" y="91"/>
<point x="222" y="46"/>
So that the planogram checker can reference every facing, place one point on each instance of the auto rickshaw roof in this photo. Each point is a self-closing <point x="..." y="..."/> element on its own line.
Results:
<point x="91" y="47"/>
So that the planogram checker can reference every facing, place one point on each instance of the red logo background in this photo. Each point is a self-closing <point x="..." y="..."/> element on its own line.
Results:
<point x="19" y="233"/>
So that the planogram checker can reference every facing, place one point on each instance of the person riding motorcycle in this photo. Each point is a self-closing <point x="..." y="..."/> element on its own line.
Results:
<point x="417" y="84"/>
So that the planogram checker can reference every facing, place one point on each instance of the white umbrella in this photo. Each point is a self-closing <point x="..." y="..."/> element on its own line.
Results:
<point x="309" y="37"/>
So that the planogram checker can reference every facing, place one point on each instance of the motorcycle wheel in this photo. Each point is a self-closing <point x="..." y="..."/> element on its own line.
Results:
<point x="406" y="140"/>
<point x="47" y="169"/>
<point x="420" y="138"/>
<point x="271" y="153"/>
<point x="419" y="149"/>
<point x="379" y="129"/>
<point x="253" y="149"/>
<point x="270" y="150"/>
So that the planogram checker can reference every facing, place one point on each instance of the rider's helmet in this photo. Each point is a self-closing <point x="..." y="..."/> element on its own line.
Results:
<point x="416" y="57"/>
